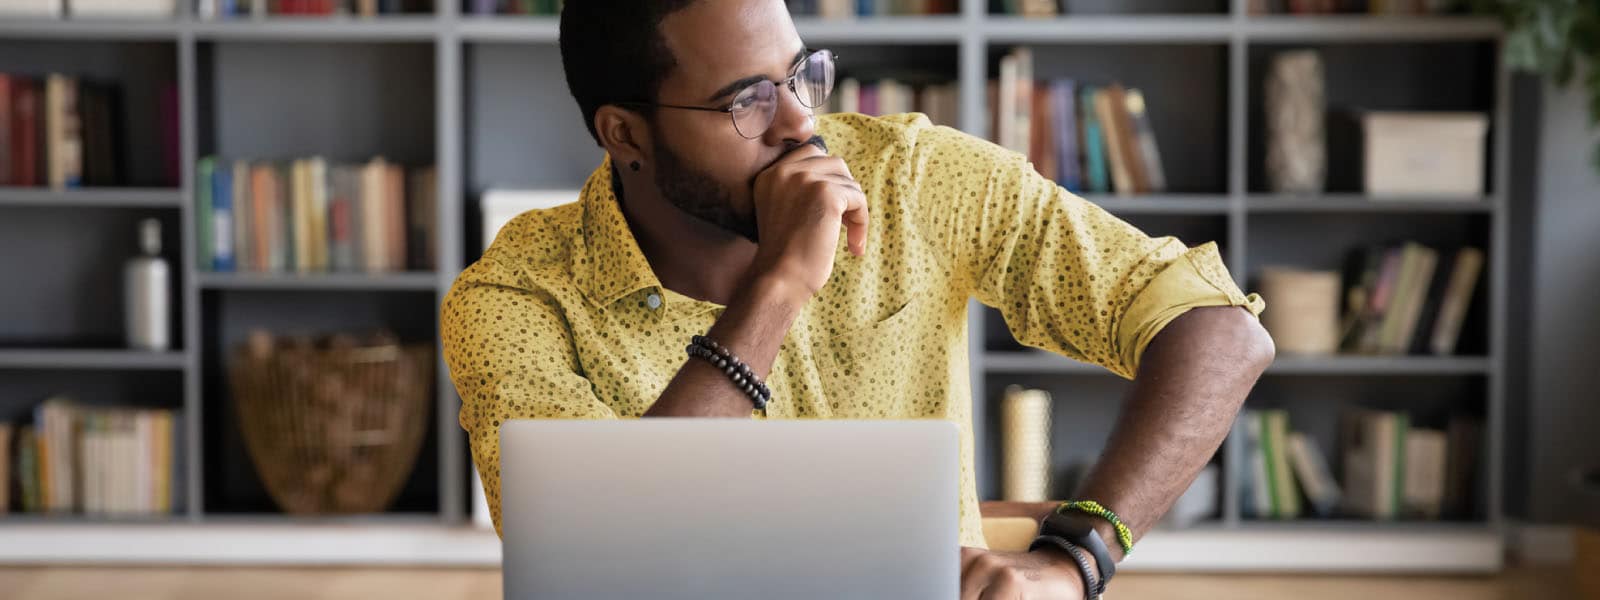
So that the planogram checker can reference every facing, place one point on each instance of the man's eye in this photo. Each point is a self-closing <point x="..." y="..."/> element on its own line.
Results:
<point x="743" y="102"/>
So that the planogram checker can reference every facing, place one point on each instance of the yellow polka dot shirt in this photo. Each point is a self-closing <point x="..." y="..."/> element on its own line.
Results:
<point x="563" y="318"/>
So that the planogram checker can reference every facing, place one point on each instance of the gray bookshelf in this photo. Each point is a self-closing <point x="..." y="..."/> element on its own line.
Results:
<point x="483" y="99"/>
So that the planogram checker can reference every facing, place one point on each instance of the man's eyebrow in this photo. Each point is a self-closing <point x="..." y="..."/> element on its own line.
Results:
<point x="745" y="82"/>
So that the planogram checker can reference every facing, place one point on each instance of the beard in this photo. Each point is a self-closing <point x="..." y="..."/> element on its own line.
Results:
<point x="695" y="192"/>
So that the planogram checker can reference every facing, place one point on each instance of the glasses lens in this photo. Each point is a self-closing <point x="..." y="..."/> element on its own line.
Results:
<point x="754" y="108"/>
<point x="813" y="80"/>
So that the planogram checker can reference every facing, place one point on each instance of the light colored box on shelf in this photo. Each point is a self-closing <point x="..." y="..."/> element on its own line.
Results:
<point x="1432" y="154"/>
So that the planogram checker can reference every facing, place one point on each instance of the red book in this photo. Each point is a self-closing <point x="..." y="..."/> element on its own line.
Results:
<point x="5" y="145"/>
<point x="25" y="115"/>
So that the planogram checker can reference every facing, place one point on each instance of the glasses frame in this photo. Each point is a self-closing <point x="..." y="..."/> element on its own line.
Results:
<point x="788" y="82"/>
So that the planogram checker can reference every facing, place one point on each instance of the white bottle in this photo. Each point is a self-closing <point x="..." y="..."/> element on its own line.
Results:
<point x="147" y="304"/>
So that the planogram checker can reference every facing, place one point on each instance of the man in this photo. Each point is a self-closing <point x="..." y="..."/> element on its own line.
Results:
<point x="719" y="212"/>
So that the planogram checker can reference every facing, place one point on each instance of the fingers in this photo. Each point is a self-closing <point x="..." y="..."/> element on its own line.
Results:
<point x="973" y="578"/>
<point x="855" y="222"/>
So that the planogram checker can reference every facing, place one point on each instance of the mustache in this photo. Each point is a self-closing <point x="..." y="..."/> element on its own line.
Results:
<point x="816" y="140"/>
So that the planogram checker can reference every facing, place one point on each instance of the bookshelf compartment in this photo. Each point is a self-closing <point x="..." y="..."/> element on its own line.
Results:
<point x="67" y="265"/>
<point x="1386" y="76"/>
<point x="1185" y="87"/>
<point x="138" y="117"/>
<point x="232" y="485"/>
<point x="1084" y="409"/>
<point x="1280" y="240"/>
<point x="1317" y="405"/>
<point x="376" y="99"/>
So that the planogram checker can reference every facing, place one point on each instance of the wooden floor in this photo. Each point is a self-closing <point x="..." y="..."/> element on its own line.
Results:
<point x="483" y="584"/>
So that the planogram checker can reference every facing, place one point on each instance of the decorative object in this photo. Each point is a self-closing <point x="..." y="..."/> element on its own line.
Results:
<point x="147" y="296"/>
<point x="1025" y="435"/>
<point x="1297" y="153"/>
<point x="336" y="427"/>
<point x="1437" y="155"/>
<point x="1302" y="310"/>
<point x="1559" y="39"/>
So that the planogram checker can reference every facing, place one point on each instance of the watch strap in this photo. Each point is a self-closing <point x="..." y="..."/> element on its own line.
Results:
<point x="1079" y="529"/>
<point x="1093" y="588"/>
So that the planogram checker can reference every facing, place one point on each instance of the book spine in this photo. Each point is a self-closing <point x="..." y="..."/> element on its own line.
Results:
<point x="218" y="191"/>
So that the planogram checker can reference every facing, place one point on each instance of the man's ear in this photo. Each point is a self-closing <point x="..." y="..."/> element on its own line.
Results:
<point x="623" y="133"/>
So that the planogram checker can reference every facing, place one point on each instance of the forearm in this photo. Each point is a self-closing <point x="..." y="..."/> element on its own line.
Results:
<point x="1193" y="378"/>
<point x="753" y="328"/>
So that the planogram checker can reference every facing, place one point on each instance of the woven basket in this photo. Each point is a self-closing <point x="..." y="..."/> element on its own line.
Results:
<point x="332" y="430"/>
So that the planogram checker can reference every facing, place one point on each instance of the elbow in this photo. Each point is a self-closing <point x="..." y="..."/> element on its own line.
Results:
<point x="1259" y="350"/>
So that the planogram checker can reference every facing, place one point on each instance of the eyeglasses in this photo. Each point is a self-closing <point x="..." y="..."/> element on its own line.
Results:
<point x="754" y="108"/>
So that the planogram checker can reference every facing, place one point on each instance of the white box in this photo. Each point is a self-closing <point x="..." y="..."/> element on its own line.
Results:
<point x="1432" y="154"/>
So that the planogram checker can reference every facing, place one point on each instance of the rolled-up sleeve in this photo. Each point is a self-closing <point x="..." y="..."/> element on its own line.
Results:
<point x="1068" y="276"/>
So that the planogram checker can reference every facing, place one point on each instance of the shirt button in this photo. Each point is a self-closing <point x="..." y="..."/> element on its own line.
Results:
<point x="654" y="301"/>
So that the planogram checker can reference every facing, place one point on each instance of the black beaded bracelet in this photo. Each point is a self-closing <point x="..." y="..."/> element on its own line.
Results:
<point x="1092" y="587"/>
<point x="743" y="378"/>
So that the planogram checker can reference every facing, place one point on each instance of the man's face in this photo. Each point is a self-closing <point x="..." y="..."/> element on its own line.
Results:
<point x="702" y="163"/>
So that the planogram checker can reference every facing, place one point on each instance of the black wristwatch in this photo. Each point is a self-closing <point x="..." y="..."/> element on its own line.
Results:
<point x="1078" y="529"/>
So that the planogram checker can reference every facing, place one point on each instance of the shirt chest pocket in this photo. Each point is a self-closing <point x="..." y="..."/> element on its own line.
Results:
<point x="874" y="371"/>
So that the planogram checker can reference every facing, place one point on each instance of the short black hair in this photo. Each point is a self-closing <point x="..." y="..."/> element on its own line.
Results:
<point x="613" y="51"/>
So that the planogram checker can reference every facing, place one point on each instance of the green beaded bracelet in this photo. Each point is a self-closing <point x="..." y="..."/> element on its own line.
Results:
<point x="1124" y="535"/>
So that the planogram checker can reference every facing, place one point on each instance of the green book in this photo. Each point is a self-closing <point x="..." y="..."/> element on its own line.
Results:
<point x="28" y="469"/>
<point x="205" y="245"/>
<point x="1269" y="450"/>
<point x="1402" y="426"/>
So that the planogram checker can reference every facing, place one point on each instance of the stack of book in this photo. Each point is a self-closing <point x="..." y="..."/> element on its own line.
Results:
<point x="64" y="132"/>
<point x="1403" y="299"/>
<point x="545" y="8"/>
<point x="1391" y="470"/>
<point x="1376" y="7"/>
<point x="97" y="461"/>
<point x="89" y="8"/>
<point x="231" y="9"/>
<point x="308" y="216"/>
<point x="940" y="102"/>
<point x="1089" y="139"/>
<point x="848" y="9"/>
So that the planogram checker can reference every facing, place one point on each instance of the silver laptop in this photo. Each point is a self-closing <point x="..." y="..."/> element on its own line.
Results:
<point x="728" y="508"/>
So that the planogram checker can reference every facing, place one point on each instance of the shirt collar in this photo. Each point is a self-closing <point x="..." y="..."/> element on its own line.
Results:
<point x="613" y="266"/>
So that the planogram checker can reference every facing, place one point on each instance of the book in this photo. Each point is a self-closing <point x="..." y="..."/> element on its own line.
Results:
<point x="26" y="108"/>
<point x="1311" y="470"/>
<point x="1149" y="155"/>
<point x="1467" y="268"/>
<point x="30" y="498"/>
<point x="1246" y="482"/>
<point x="1417" y="266"/>
<point x="422" y="215"/>
<point x="220" y="183"/>
<point x="1063" y="102"/>
<point x="1426" y="458"/>
<point x="63" y="133"/>
<point x="1372" y="442"/>
<point x="1097" y="177"/>
<point x="1129" y="141"/>
<point x="206" y="247"/>
<point x="1263" y="498"/>
<point x="56" y="420"/>
<point x="5" y="129"/>
<point x="1122" y="178"/>
<point x="1041" y="137"/>
<point x="1286" y="495"/>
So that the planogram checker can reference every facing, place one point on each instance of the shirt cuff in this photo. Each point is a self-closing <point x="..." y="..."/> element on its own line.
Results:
<point x="1196" y="279"/>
